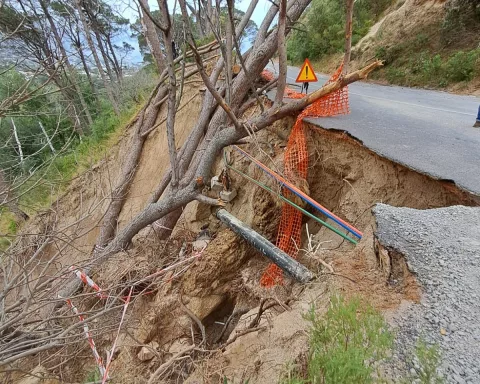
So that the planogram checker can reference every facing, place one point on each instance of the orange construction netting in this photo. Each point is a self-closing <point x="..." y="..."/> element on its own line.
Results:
<point x="296" y="166"/>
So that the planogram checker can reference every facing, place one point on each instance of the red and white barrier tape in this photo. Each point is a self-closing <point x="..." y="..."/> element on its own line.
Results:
<point x="87" y="280"/>
<point x="88" y="336"/>
<point x="110" y="354"/>
<point x="170" y="267"/>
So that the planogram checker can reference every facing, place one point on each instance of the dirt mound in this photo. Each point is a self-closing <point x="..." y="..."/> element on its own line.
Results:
<point x="416" y="36"/>
<point x="404" y="20"/>
<point x="215" y="274"/>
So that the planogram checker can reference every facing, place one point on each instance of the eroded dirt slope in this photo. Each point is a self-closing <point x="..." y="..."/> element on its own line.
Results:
<point x="249" y="332"/>
<point x="224" y="283"/>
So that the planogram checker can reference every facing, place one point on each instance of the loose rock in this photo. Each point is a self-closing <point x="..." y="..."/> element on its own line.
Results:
<point x="147" y="352"/>
<point x="442" y="246"/>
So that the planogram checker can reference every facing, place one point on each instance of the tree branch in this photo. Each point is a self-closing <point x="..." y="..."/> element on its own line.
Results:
<point x="231" y="135"/>
<point x="282" y="53"/>
<point x="157" y="23"/>
<point x="241" y="59"/>
<point x="348" y="35"/>
<point x="172" y="92"/>
<point x="203" y="74"/>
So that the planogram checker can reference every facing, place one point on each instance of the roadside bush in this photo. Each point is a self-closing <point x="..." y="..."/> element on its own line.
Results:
<point x="389" y="55"/>
<point x="427" y="68"/>
<point x="421" y="40"/>
<point x="345" y="344"/>
<point x="462" y="65"/>
<point x="429" y="361"/>
<point x="423" y="69"/>
<point x="395" y="75"/>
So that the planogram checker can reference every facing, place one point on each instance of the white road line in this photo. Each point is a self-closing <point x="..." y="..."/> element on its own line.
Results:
<point x="401" y="102"/>
<point x="412" y="105"/>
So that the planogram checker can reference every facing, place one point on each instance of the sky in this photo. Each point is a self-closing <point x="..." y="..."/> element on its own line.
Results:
<point x="128" y="9"/>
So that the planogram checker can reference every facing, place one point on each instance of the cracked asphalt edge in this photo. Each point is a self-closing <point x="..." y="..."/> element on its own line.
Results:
<point x="442" y="248"/>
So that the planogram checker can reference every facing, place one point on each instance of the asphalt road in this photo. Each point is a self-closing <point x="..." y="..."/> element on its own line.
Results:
<point x="428" y="131"/>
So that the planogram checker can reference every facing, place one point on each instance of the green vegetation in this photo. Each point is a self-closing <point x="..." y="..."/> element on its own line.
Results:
<point x="53" y="172"/>
<point x="345" y="344"/>
<point x="8" y="225"/>
<point x="64" y="90"/>
<point x="322" y="28"/>
<point x="461" y="22"/>
<point x="429" y="361"/>
<point x="93" y="376"/>
<point x="441" y="53"/>
<point x="58" y="171"/>
<point x="421" y="68"/>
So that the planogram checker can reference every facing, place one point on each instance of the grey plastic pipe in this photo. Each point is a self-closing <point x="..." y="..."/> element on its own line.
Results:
<point x="276" y="255"/>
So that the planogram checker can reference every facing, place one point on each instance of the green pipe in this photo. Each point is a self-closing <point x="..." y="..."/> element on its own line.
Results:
<point x="292" y="204"/>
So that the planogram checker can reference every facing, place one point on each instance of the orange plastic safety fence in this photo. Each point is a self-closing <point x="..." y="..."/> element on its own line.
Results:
<point x="292" y="94"/>
<point x="267" y="75"/>
<point x="296" y="168"/>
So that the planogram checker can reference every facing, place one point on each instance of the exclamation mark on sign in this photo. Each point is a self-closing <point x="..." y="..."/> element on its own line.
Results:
<point x="306" y="72"/>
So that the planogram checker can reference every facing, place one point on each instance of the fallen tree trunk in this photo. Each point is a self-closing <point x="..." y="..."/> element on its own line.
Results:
<point x="173" y="200"/>
<point x="219" y="124"/>
<point x="143" y="125"/>
<point x="276" y="255"/>
<point x="146" y="119"/>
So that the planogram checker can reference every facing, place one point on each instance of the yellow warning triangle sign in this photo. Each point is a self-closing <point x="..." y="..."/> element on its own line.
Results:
<point x="306" y="74"/>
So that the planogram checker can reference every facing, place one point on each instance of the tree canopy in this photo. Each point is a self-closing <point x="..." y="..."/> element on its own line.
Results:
<point x="320" y="31"/>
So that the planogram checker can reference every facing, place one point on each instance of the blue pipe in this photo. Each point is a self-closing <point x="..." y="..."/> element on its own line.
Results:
<point x="309" y="201"/>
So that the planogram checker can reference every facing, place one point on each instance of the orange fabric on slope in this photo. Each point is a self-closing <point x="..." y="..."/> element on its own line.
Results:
<point x="296" y="166"/>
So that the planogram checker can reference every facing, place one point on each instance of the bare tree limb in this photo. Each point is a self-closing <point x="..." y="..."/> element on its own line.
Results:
<point x="240" y="56"/>
<point x="282" y="53"/>
<point x="17" y="140"/>
<point x="208" y="200"/>
<point x="166" y="365"/>
<point x="188" y="151"/>
<point x="263" y="29"/>
<point x="98" y="63"/>
<point x="348" y="35"/>
<point x="229" y="50"/>
<point x="197" y="321"/>
<point x="172" y="91"/>
<point x="195" y="161"/>
<point x="156" y="22"/>
<point x="209" y="85"/>
<point x="151" y="35"/>
<point x="231" y="135"/>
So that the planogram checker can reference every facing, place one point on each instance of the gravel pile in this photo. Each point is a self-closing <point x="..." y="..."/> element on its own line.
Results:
<point x="442" y="247"/>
